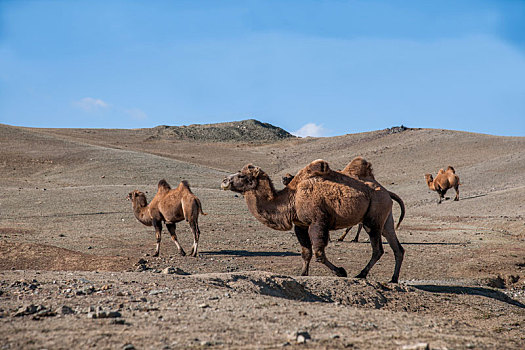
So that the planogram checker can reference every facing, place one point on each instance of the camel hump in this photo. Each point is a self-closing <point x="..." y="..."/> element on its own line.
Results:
<point x="359" y="167"/>
<point x="441" y="171"/>
<point x="163" y="184"/>
<point x="185" y="183"/>
<point x="318" y="167"/>
<point x="451" y="169"/>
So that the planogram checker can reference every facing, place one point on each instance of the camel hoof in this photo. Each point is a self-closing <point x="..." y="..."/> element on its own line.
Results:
<point x="456" y="199"/>
<point x="341" y="272"/>
<point x="354" y="240"/>
<point x="361" y="275"/>
<point x="394" y="280"/>
<point x="182" y="252"/>
<point x="156" y="254"/>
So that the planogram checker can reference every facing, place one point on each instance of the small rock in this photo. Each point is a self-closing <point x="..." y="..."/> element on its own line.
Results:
<point x="417" y="346"/>
<point x="141" y="267"/>
<point x="118" y="321"/>
<point x="65" y="310"/>
<point x="204" y="306"/>
<point x="168" y="271"/>
<point x="300" y="337"/>
<point x="128" y="347"/>
<point x="155" y="292"/>
<point x="28" y="310"/>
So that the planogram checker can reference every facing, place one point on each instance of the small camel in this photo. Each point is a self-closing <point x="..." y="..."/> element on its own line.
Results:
<point x="325" y="200"/>
<point x="443" y="182"/>
<point x="171" y="206"/>
<point x="361" y="169"/>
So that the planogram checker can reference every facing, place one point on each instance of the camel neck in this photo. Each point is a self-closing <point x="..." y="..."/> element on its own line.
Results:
<point x="142" y="214"/>
<point x="272" y="208"/>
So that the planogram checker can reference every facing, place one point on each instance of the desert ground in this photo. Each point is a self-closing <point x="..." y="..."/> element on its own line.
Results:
<point x="77" y="269"/>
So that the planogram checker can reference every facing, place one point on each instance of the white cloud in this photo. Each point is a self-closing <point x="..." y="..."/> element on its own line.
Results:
<point x="137" y="114"/>
<point x="311" y="129"/>
<point x="90" y="104"/>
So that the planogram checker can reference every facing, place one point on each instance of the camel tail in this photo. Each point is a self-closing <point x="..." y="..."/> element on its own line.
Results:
<point x="163" y="184"/>
<point x="200" y="207"/>
<point x="401" y="205"/>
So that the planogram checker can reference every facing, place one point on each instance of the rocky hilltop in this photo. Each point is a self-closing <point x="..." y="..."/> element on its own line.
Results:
<point x="249" y="130"/>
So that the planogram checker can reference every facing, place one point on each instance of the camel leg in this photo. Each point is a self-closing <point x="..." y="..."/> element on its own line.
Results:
<point x="377" y="251"/>
<point x="457" y="192"/>
<point x="306" y="248"/>
<point x="158" y="230"/>
<point x="356" y="239"/>
<point x="390" y="234"/>
<point x="342" y="238"/>
<point x="196" y="235"/>
<point x="171" y="228"/>
<point x="440" y="195"/>
<point x="319" y="237"/>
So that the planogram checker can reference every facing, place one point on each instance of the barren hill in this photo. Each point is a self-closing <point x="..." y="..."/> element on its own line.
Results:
<point x="250" y="130"/>
<point x="63" y="210"/>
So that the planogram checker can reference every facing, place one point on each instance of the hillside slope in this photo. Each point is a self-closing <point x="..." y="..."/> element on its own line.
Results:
<point x="68" y="237"/>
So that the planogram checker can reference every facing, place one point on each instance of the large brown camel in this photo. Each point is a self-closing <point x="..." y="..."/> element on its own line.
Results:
<point x="361" y="169"/>
<point x="325" y="200"/>
<point x="443" y="182"/>
<point x="169" y="206"/>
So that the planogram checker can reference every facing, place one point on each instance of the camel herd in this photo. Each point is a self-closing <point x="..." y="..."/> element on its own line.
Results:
<point x="313" y="202"/>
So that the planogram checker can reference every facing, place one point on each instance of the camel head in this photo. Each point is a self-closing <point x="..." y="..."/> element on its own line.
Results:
<point x="244" y="180"/>
<point x="137" y="197"/>
<point x="286" y="179"/>
<point x="429" y="178"/>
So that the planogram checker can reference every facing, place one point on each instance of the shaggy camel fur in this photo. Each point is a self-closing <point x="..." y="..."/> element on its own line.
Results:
<point x="361" y="169"/>
<point x="286" y="179"/>
<point x="325" y="200"/>
<point x="443" y="182"/>
<point x="171" y="206"/>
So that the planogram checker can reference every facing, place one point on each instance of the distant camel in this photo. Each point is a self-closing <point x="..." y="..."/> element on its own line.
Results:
<point x="324" y="200"/>
<point x="443" y="182"/>
<point x="171" y="206"/>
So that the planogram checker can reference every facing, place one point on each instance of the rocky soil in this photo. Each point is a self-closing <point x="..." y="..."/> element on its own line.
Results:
<point x="77" y="271"/>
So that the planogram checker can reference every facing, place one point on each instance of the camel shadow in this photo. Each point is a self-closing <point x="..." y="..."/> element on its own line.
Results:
<point x="248" y="253"/>
<point x="485" y="292"/>
<point x="405" y="243"/>
<point x="432" y="243"/>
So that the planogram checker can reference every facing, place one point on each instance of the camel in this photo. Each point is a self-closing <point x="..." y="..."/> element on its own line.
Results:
<point x="169" y="206"/>
<point x="443" y="182"/>
<point x="325" y="200"/>
<point x="362" y="169"/>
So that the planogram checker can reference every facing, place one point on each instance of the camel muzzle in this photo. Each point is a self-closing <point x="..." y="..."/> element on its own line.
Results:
<point x="226" y="184"/>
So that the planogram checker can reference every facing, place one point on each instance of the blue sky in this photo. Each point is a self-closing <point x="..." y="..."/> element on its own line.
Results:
<point x="321" y="68"/>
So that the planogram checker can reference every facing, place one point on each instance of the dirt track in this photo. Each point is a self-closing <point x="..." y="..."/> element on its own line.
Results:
<point x="68" y="238"/>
